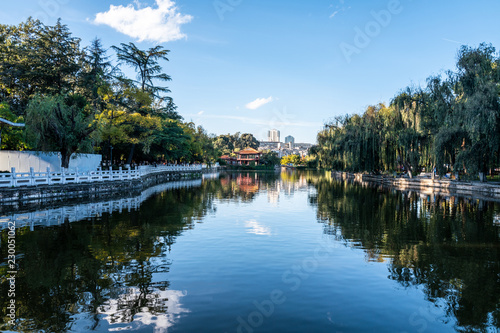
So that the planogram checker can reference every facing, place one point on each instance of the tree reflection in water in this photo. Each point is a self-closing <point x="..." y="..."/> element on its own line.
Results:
<point x="110" y="269"/>
<point x="447" y="246"/>
<point x="81" y="271"/>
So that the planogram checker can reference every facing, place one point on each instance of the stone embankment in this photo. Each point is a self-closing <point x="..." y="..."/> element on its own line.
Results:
<point x="91" y="190"/>
<point x="479" y="190"/>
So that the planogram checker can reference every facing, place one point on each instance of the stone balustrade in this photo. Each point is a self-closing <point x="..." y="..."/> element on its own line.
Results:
<point x="18" y="179"/>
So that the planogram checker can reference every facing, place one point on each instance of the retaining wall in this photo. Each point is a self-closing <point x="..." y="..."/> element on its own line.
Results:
<point x="474" y="189"/>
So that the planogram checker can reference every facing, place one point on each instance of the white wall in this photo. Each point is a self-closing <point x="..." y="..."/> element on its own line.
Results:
<point x="40" y="161"/>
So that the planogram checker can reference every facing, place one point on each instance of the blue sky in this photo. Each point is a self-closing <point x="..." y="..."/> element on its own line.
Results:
<point x="253" y="65"/>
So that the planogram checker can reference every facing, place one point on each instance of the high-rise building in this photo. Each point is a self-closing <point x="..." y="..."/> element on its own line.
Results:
<point x="273" y="135"/>
<point x="290" y="139"/>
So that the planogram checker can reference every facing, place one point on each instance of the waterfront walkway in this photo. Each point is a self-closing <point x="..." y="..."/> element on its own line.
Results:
<point x="23" y="179"/>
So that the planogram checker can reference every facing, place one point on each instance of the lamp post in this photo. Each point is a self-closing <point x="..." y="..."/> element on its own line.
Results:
<point x="111" y="155"/>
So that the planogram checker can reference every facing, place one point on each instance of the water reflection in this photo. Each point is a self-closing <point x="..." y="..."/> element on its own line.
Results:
<point x="107" y="272"/>
<point x="257" y="228"/>
<point x="447" y="246"/>
<point x="107" y="266"/>
<point x="54" y="216"/>
<point x="103" y="266"/>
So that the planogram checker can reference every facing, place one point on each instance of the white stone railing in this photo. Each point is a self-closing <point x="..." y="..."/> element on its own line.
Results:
<point x="18" y="179"/>
<point x="57" y="216"/>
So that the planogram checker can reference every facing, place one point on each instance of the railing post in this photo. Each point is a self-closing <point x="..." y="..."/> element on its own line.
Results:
<point x="120" y="173"/>
<point x="14" y="180"/>
<point x="77" y="176"/>
<point x="63" y="175"/>
<point x="32" y="176"/>
<point x="49" y="176"/>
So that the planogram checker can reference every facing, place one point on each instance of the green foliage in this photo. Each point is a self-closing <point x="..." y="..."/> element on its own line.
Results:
<point x="59" y="123"/>
<point x="74" y="100"/>
<point x="270" y="158"/>
<point x="291" y="159"/>
<point x="246" y="140"/>
<point x="228" y="143"/>
<point x="12" y="138"/>
<point x="200" y="147"/>
<point x="37" y="59"/>
<point x="224" y="144"/>
<point x="146" y="65"/>
<point x="451" y="124"/>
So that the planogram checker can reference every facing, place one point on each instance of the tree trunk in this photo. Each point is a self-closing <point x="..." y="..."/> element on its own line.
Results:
<point x="65" y="155"/>
<point x="131" y="154"/>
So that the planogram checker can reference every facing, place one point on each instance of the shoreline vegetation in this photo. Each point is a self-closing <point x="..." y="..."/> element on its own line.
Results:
<point x="451" y="125"/>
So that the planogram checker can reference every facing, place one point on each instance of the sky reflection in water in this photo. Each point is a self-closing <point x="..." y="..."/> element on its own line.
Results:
<point x="262" y="252"/>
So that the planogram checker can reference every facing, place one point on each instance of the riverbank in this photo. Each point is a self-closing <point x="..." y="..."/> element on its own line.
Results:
<point x="46" y="194"/>
<point x="59" y="210"/>
<point x="479" y="190"/>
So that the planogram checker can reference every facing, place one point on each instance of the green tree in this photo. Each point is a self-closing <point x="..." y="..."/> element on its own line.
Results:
<point x="478" y="109"/>
<point x="224" y="144"/>
<point x="270" y="158"/>
<point x="60" y="123"/>
<point x="97" y="74"/>
<point x="246" y="140"/>
<point x="146" y="65"/>
<point x="291" y="159"/>
<point x="141" y="99"/>
<point x="37" y="59"/>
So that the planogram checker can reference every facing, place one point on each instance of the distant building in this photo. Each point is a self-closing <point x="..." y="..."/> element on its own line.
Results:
<point x="266" y="145"/>
<point x="273" y="135"/>
<point x="284" y="149"/>
<point x="247" y="156"/>
<point x="229" y="160"/>
<point x="289" y="142"/>
<point x="303" y="145"/>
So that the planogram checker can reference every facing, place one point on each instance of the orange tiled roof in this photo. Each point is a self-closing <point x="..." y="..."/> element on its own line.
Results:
<point x="248" y="151"/>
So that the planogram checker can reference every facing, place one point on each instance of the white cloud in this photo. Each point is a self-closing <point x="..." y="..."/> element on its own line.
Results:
<point x="334" y="13"/>
<point x="453" y="41"/>
<point x="162" y="24"/>
<point x="200" y="113"/>
<point x="258" y="103"/>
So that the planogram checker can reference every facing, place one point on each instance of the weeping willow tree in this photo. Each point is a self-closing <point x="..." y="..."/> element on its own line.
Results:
<point x="60" y="123"/>
<point x="478" y="108"/>
<point x="451" y="124"/>
<point x="359" y="143"/>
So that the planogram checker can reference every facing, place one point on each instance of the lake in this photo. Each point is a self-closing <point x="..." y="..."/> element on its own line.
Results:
<point x="257" y="252"/>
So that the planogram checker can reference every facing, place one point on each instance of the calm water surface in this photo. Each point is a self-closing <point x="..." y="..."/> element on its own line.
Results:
<point x="290" y="252"/>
